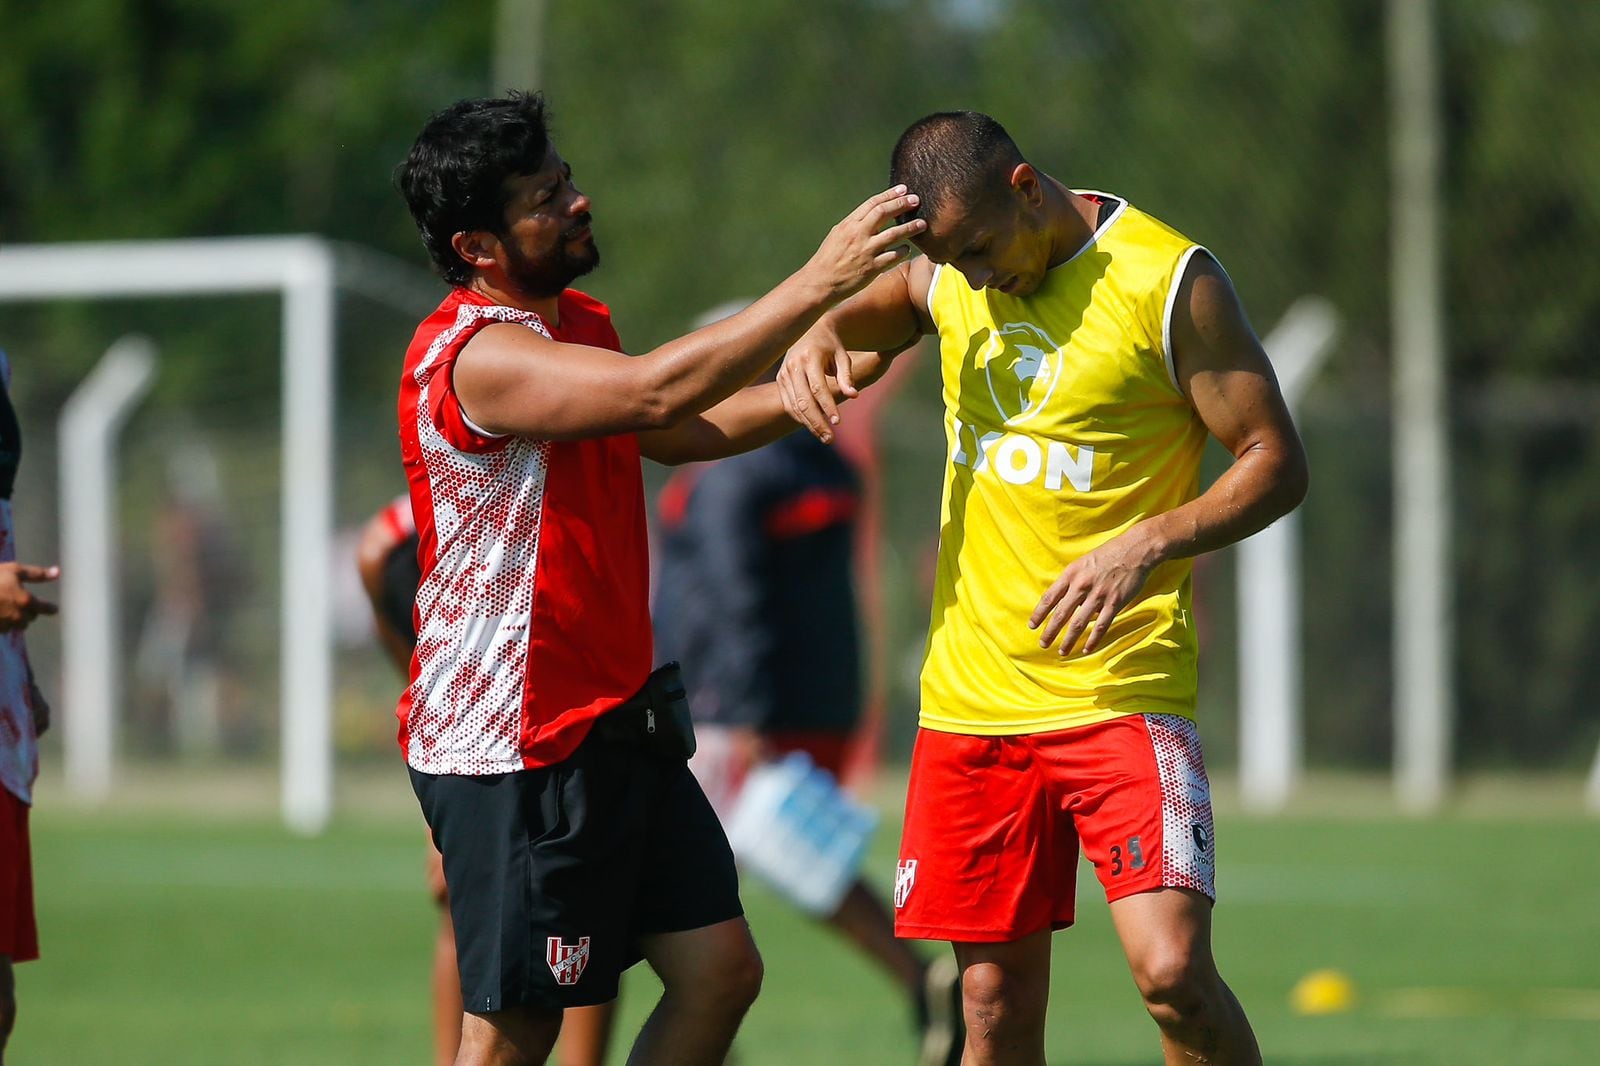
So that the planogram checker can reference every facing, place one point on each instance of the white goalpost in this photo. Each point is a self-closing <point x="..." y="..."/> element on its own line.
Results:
<point x="305" y="271"/>
<point x="91" y="594"/>
<point x="1424" y="623"/>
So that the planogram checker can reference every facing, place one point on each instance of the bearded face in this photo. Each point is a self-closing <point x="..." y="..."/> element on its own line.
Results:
<point x="546" y="272"/>
<point x="546" y="240"/>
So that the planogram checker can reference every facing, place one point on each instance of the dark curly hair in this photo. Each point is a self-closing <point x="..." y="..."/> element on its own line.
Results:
<point x="453" y="179"/>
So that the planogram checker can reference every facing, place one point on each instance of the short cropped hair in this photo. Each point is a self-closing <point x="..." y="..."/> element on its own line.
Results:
<point x="453" y="179"/>
<point x="953" y="156"/>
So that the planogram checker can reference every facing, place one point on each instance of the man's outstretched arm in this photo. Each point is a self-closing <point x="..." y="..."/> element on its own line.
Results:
<point x="753" y="416"/>
<point x="512" y="380"/>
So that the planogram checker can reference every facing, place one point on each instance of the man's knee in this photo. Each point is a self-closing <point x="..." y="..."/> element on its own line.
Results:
<point x="996" y="999"/>
<point x="1176" y="983"/>
<point x="740" y="978"/>
<point x="729" y="984"/>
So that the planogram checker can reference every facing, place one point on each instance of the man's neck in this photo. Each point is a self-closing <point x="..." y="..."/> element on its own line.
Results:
<point x="546" y="307"/>
<point x="1073" y="221"/>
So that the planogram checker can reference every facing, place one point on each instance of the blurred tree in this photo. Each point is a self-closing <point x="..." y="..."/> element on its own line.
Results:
<point x="180" y="118"/>
<point x="159" y="118"/>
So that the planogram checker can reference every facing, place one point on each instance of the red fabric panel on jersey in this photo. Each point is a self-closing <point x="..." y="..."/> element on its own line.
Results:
<point x="993" y="825"/>
<point x="533" y="607"/>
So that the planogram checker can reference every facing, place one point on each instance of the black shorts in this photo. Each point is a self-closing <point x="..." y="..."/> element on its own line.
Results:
<point x="555" y="874"/>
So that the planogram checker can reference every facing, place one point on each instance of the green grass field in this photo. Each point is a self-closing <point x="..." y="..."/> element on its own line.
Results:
<point x="217" y="938"/>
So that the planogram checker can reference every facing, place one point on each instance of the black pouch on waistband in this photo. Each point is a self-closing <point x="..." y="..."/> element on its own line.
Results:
<point x="655" y="718"/>
<point x="670" y="702"/>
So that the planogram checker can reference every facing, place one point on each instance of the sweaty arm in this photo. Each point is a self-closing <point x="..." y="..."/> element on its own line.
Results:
<point x="753" y="416"/>
<point x="884" y="319"/>
<point x="1224" y="372"/>
<point x="513" y="380"/>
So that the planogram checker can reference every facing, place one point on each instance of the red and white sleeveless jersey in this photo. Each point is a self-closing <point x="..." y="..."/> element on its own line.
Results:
<point x="532" y="615"/>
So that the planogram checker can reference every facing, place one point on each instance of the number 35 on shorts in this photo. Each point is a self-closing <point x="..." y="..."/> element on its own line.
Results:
<point x="1129" y="856"/>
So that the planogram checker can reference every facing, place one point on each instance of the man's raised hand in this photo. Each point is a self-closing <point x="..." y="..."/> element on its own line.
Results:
<point x="865" y="243"/>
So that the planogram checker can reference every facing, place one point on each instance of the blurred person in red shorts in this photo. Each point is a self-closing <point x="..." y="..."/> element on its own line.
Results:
<point x="24" y="715"/>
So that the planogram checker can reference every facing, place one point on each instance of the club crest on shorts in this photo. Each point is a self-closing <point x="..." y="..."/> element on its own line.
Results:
<point x="904" y="875"/>
<point x="567" y="961"/>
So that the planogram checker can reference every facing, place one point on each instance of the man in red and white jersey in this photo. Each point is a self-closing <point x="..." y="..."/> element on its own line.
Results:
<point x="549" y="760"/>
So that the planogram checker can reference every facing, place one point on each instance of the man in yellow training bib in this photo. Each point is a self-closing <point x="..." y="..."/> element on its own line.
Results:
<point x="1087" y="350"/>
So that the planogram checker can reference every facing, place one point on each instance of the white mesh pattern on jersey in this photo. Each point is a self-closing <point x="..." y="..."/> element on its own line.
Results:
<point x="476" y="603"/>
<point x="1188" y="854"/>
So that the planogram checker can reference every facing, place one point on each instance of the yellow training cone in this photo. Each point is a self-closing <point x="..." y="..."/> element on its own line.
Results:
<point x="1323" y="992"/>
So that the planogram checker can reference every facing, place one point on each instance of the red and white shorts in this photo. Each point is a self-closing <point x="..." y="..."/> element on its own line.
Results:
<point x="19" y="939"/>
<point x="993" y="825"/>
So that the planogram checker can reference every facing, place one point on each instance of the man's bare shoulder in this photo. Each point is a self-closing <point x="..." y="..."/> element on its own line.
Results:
<point x="919" y="274"/>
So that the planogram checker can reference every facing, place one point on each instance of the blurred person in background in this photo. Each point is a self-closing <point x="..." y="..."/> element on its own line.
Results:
<point x="755" y="562"/>
<point x="1088" y="350"/>
<point x="386" y="558"/>
<point x="24" y="715"/>
<point x="199" y="582"/>
<point x="533" y="714"/>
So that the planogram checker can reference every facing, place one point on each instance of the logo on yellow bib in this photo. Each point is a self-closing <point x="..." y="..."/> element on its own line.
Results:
<point x="1021" y="364"/>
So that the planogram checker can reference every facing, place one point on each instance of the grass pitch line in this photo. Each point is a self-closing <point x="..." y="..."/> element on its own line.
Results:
<point x="1333" y="992"/>
<point x="1566" y="1004"/>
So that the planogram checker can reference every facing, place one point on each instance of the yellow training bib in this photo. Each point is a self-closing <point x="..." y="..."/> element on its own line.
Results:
<point x="1064" y="426"/>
